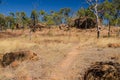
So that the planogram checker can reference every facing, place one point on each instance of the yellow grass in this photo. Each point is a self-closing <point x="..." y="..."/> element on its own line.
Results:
<point x="103" y="42"/>
<point x="13" y="45"/>
<point x="51" y="45"/>
<point x="55" y="39"/>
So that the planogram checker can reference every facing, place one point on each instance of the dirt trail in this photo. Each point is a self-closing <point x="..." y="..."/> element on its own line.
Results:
<point x="62" y="70"/>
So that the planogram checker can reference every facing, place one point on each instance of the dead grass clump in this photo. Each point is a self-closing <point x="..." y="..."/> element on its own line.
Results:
<point x="49" y="41"/>
<point x="103" y="71"/>
<point x="113" y="45"/>
<point x="9" y="58"/>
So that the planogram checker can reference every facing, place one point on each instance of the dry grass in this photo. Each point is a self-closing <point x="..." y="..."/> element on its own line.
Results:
<point x="104" y="42"/>
<point x="51" y="46"/>
<point x="19" y="73"/>
<point x="53" y="42"/>
<point x="13" y="45"/>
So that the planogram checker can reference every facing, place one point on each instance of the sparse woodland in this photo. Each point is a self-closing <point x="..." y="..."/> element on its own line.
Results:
<point x="107" y="10"/>
<point x="63" y="44"/>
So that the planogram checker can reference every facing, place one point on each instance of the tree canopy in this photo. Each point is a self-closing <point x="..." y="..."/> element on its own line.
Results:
<point x="107" y="10"/>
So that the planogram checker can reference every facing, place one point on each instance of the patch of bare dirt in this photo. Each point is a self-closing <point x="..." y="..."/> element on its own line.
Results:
<point x="60" y="71"/>
<point x="78" y="60"/>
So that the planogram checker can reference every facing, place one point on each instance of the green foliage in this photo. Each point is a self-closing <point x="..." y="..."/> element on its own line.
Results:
<point x="11" y="14"/>
<point x="49" y="20"/>
<point x="42" y="12"/>
<point x="12" y="27"/>
<point x="2" y="22"/>
<point x="116" y="4"/>
<point x="57" y="18"/>
<point x="9" y="21"/>
<point x="81" y="12"/>
<point x="65" y="13"/>
<point x="34" y="17"/>
<point x="109" y="10"/>
<point x="24" y="18"/>
<point x="85" y="13"/>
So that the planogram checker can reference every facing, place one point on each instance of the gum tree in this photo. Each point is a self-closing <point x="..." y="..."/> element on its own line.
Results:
<point x="93" y="6"/>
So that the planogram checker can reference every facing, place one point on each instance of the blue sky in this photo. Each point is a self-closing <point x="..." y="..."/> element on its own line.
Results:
<point x="28" y="5"/>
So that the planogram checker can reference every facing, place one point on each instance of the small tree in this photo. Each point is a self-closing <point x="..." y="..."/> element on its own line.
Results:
<point x="57" y="18"/>
<point x="107" y="13"/>
<point x="42" y="13"/>
<point x="34" y="17"/>
<point x="2" y="22"/>
<point x="23" y="17"/>
<point x="11" y="20"/>
<point x="116" y="4"/>
<point x="108" y="17"/>
<point x="65" y="13"/>
<point x="18" y="18"/>
<point x="49" y="20"/>
<point x="81" y="12"/>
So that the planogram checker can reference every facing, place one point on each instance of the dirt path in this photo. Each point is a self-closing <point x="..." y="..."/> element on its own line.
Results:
<point x="62" y="70"/>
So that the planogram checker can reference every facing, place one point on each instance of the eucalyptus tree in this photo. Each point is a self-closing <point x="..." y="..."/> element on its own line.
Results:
<point x="49" y="20"/>
<point x="93" y="6"/>
<point x="108" y="13"/>
<point x="65" y="13"/>
<point x="42" y="13"/>
<point x="10" y="22"/>
<point x="2" y="22"/>
<point x="57" y="18"/>
<point x="116" y="4"/>
<point x="34" y="17"/>
<point x="23" y="17"/>
<point x="12" y="14"/>
<point x="17" y="17"/>
<point x="81" y="12"/>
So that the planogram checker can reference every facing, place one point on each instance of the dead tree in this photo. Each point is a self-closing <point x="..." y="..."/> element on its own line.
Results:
<point x="94" y="5"/>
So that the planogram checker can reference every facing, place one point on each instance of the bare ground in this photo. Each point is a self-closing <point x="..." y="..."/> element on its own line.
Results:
<point x="78" y="60"/>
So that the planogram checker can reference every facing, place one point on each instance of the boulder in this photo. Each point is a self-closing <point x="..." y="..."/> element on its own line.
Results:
<point x="85" y="23"/>
<point x="10" y="57"/>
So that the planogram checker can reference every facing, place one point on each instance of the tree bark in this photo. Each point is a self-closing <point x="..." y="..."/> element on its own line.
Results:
<point x="109" y="30"/>
<point x="95" y="4"/>
<point x="30" y="34"/>
<point x="98" y="21"/>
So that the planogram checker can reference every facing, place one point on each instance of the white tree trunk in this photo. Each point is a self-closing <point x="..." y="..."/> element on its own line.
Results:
<point x="98" y="21"/>
<point x="95" y="4"/>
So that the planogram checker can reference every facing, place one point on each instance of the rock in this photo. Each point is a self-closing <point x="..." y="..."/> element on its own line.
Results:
<point x="103" y="71"/>
<point x="9" y="58"/>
